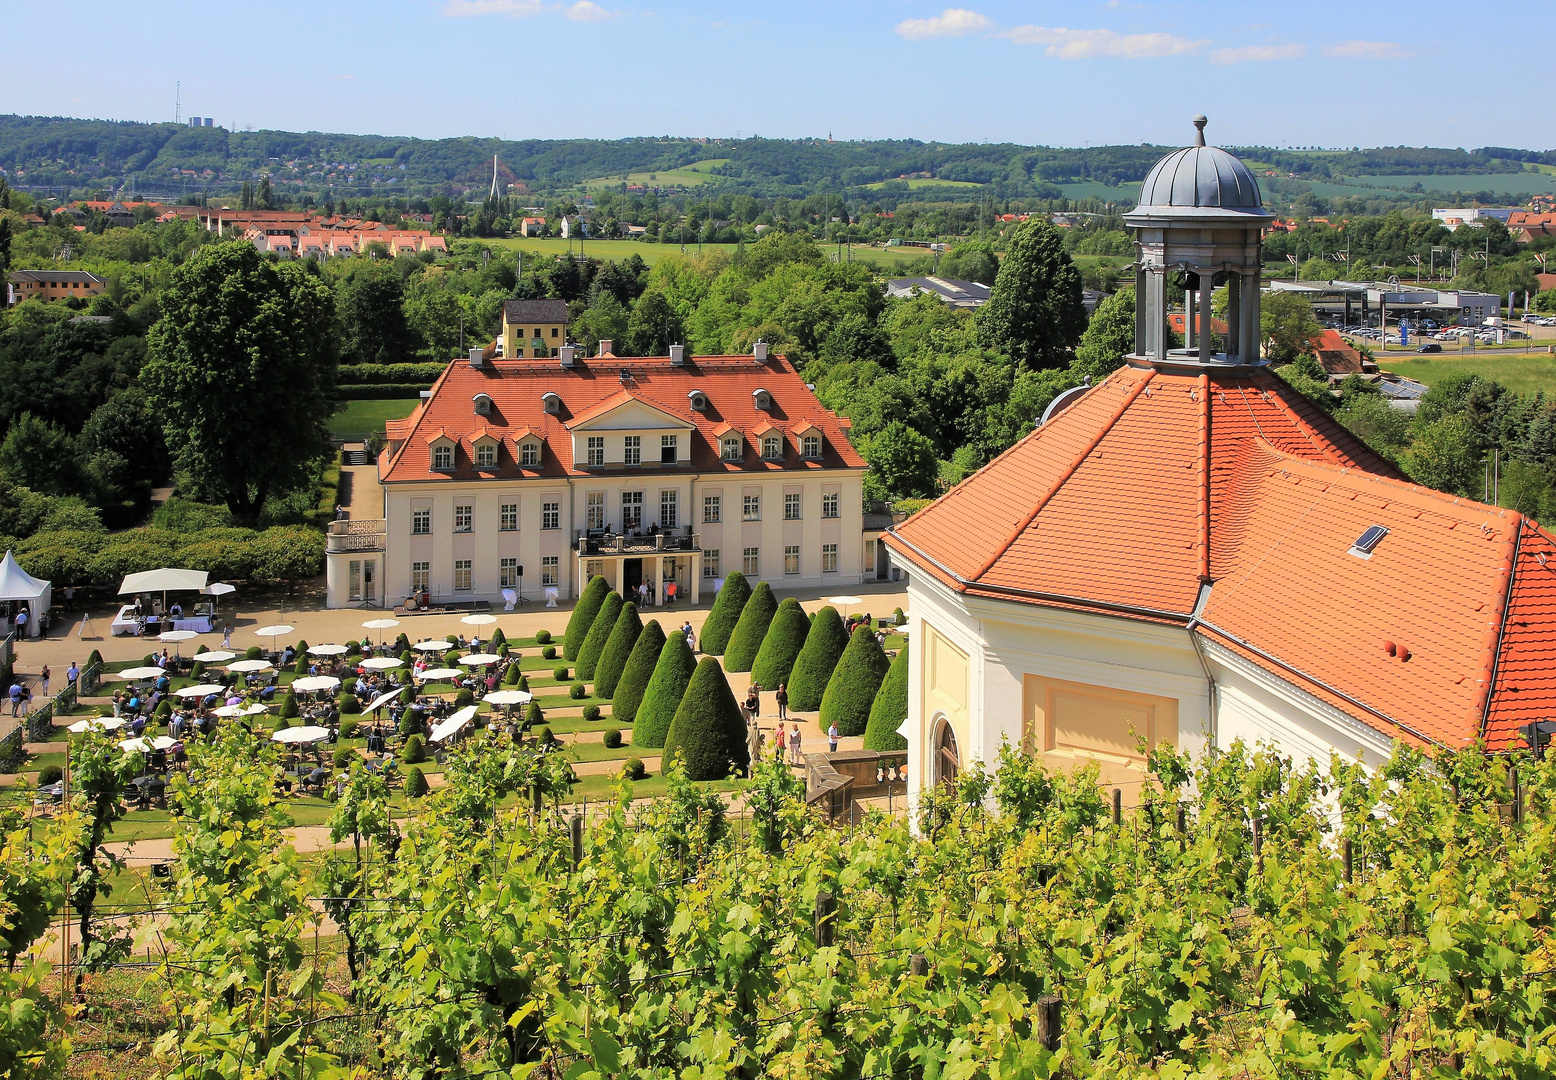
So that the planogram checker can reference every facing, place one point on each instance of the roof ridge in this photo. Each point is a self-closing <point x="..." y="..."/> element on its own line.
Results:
<point x="1496" y="623"/>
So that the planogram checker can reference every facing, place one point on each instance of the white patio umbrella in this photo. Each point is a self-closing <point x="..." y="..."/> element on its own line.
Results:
<point x="240" y="710"/>
<point x="432" y="646"/>
<point x="97" y="723"/>
<point x="202" y="690"/>
<point x="381" y="700"/>
<point x="444" y="728"/>
<point x="381" y="663"/>
<point x="845" y="601"/>
<point x="249" y="665"/>
<point x="313" y="683"/>
<point x="479" y="658"/>
<point x="508" y="697"/>
<point x="301" y="735"/>
<point x="438" y="674"/>
<point x="161" y="742"/>
<point x="273" y="632"/>
<point x="177" y="635"/>
<point x="136" y="673"/>
<point x="219" y="588"/>
<point x="380" y="624"/>
<point x="214" y="656"/>
<point x="479" y="620"/>
<point x="327" y="650"/>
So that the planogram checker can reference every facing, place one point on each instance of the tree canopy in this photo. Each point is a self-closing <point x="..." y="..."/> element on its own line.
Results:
<point x="1034" y="314"/>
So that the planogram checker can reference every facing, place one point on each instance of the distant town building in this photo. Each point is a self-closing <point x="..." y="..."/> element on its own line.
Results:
<point x="533" y="328"/>
<point x="960" y="294"/>
<point x="1452" y="219"/>
<point x="52" y="285"/>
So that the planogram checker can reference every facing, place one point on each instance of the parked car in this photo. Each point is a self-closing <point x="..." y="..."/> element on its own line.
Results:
<point x="1430" y="348"/>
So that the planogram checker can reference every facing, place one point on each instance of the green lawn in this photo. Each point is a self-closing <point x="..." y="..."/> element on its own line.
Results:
<point x="922" y="183"/>
<point x="364" y="417"/>
<point x="1524" y="373"/>
<point x="616" y="250"/>
<point x="699" y="172"/>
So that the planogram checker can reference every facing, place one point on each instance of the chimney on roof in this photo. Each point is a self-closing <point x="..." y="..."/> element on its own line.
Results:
<point x="566" y="353"/>
<point x="759" y="351"/>
<point x="475" y="356"/>
<point x="678" y="355"/>
<point x="605" y="347"/>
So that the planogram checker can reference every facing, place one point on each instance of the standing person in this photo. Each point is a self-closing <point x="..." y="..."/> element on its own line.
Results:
<point x="783" y="743"/>
<point x="21" y="622"/>
<point x="26" y="699"/>
<point x="794" y="740"/>
<point x="753" y="702"/>
<point x="72" y="673"/>
<point x="227" y="637"/>
<point x="16" y="696"/>
<point x="691" y="638"/>
<point x="832" y="737"/>
<point x="782" y="697"/>
<point x="753" y="744"/>
<point x="670" y="593"/>
<point x="44" y="677"/>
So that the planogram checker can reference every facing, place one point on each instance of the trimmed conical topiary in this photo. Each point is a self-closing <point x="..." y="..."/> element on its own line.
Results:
<point x="663" y="696"/>
<point x="785" y="638"/>
<point x="599" y="634"/>
<point x="890" y="708"/>
<point x="613" y="661"/>
<point x="854" y="684"/>
<point x="634" y="677"/>
<point x="708" y="732"/>
<point x="721" y="620"/>
<point x="751" y="629"/>
<point x="824" y="646"/>
<point x="582" y="619"/>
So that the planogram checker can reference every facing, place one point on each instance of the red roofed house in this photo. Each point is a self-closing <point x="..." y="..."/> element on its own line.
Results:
<point x="1190" y="552"/>
<point x="538" y="473"/>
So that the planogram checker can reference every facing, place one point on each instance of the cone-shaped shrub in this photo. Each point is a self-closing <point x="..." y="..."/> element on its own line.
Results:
<point x="854" y="684"/>
<point x="635" y="676"/>
<point x="599" y="634"/>
<point x="785" y="638"/>
<point x="512" y="675"/>
<point x="582" y="619"/>
<point x="498" y="638"/>
<point x="824" y="646"/>
<point x="618" y="647"/>
<point x="740" y="654"/>
<point x="708" y="732"/>
<point x="725" y="614"/>
<point x="890" y="708"/>
<point x="663" y="696"/>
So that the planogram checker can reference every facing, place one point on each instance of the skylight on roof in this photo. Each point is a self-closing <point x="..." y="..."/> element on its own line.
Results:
<point x="1368" y="540"/>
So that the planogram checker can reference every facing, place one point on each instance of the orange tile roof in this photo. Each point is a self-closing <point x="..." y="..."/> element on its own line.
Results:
<point x="1155" y="482"/>
<point x="593" y="387"/>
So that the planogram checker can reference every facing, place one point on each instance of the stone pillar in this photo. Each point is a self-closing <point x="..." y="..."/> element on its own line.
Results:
<point x="696" y="582"/>
<point x="621" y="575"/>
<point x="1234" y="316"/>
<point x="1190" y="317"/>
<point x="1207" y="331"/>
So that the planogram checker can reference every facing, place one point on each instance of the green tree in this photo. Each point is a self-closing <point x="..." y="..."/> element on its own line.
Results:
<point x="854" y="684"/>
<point x="633" y="683"/>
<point x="1034" y="314"/>
<point x="599" y="634"/>
<point x="582" y="619"/>
<point x="662" y="698"/>
<point x="1287" y="325"/>
<point x="433" y="316"/>
<point x="971" y="260"/>
<point x="1444" y="455"/>
<point x="824" y="645"/>
<point x="1109" y="337"/>
<point x="781" y="645"/>
<point x="40" y="456"/>
<point x="618" y="649"/>
<point x="725" y="614"/>
<point x="751" y="629"/>
<point x="708" y="733"/>
<point x="890" y="708"/>
<point x="370" y="301"/>
<point x="1545" y="301"/>
<point x="653" y="326"/>
<point x="241" y="366"/>
<point x="902" y="464"/>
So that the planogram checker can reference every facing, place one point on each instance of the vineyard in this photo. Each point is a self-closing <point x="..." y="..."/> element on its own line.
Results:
<point x="1248" y="918"/>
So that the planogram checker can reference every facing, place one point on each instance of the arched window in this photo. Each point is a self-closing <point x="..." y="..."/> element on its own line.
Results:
<point x="947" y="761"/>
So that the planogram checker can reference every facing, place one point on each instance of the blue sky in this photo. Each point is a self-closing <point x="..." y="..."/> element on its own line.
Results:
<point x="1313" y="72"/>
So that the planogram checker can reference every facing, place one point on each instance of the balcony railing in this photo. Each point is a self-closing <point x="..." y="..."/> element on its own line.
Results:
<point x="603" y="543"/>
<point x="365" y="534"/>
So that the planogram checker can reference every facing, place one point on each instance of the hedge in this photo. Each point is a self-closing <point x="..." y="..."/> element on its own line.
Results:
<point x="599" y="634"/>
<point x="725" y="614"/>
<point x="582" y="618"/>
<point x="785" y="638"/>
<point x="854" y="684"/>
<point x="708" y="732"/>
<point x="662" y="698"/>
<point x="378" y="391"/>
<point x="618" y="648"/>
<point x="824" y="646"/>
<point x="635" y="676"/>
<point x="890" y="708"/>
<point x="751" y="629"/>
<point x="75" y="557"/>
<point x="382" y="374"/>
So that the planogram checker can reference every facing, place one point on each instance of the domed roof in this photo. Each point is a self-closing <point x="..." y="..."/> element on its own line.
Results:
<point x="1201" y="176"/>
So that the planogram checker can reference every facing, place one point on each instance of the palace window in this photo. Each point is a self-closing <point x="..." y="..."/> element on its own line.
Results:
<point x="631" y="510"/>
<point x="791" y="559"/>
<point x="461" y="575"/>
<point x="712" y="509"/>
<point x="749" y="562"/>
<point x="421" y="520"/>
<point x="791" y="506"/>
<point x="464" y="517"/>
<point x="829" y="504"/>
<point x="751" y="510"/>
<point x="486" y="455"/>
<point x="668" y="508"/>
<point x="551" y="515"/>
<point x="596" y="450"/>
<point x="508" y="573"/>
<point x="633" y="454"/>
<point x="829" y="558"/>
<point x="772" y="447"/>
<point x="710" y="562"/>
<point x="443" y="457"/>
<point x="594" y="510"/>
<point x="730" y="448"/>
<point x="509" y="521"/>
<point x="420" y="573"/>
<point x="667" y="449"/>
<point x="548" y="570"/>
<point x="812" y="446"/>
<point x="529" y="455"/>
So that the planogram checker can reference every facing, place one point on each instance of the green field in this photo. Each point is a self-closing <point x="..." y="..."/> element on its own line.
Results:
<point x="364" y="417"/>
<point x="609" y="250"/>
<point x="698" y="172"/>
<point x="1523" y="183"/>
<point x="921" y="183"/>
<point x="1524" y="373"/>
<point x="1096" y="189"/>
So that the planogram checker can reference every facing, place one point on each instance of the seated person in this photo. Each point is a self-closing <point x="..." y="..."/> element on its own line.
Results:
<point x="137" y="725"/>
<point x="163" y="684"/>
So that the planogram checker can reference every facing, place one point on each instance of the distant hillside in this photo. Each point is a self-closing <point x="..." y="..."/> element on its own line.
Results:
<point x="74" y="156"/>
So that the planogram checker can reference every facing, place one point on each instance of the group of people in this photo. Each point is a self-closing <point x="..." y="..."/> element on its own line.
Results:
<point x="644" y="593"/>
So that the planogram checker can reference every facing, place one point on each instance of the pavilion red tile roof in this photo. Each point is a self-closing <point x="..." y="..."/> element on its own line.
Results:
<point x="1156" y="482"/>
<point x="594" y="387"/>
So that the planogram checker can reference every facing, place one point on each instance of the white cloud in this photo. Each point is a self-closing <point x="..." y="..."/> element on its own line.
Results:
<point x="587" y="11"/>
<point x="952" y="22"/>
<point x="1259" y="53"/>
<point x="1089" y="44"/>
<point x="514" y="8"/>
<point x="1366" y="50"/>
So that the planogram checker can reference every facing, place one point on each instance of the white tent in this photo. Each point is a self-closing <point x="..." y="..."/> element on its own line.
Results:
<point x="18" y="584"/>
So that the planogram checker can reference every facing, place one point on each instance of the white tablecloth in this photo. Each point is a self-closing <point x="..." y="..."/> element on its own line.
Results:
<point x="124" y="623"/>
<point x="200" y="624"/>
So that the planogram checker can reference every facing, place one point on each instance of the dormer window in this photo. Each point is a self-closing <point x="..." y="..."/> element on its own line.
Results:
<point x="812" y="446"/>
<point x="729" y="449"/>
<point x="529" y="454"/>
<point x="698" y="400"/>
<point x="772" y="447"/>
<point x="553" y="404"/>
<point x="761" y="399"/>
<point x="483" y="405"/>
<point x="443" y="456"/>
<point x="486" y="454"/>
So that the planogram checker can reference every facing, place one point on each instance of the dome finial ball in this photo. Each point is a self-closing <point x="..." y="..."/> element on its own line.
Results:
<point x="1199" y="129"/>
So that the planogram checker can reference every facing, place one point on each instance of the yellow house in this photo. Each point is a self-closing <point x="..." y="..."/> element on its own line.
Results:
<point x="53" y="284"/>
<point x="533" y="328"/>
